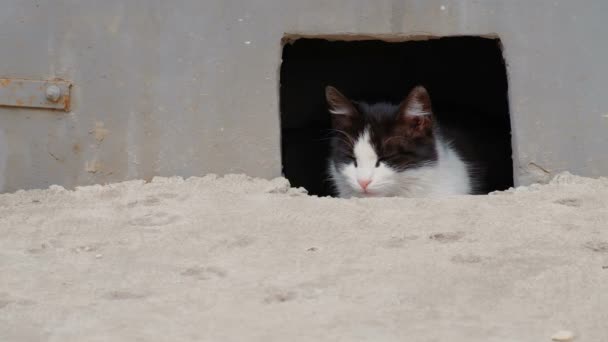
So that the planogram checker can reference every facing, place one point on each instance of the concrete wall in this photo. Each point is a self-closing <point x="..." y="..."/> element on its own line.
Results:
<point x="191" y="87"/>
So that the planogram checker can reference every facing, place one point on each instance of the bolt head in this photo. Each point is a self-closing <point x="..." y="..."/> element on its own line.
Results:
<point x="53" y="93"/>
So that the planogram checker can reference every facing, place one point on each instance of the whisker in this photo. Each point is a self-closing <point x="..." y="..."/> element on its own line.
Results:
<point x="350" y="139"/>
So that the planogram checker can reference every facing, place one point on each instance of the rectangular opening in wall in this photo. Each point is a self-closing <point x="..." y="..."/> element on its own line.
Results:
<point x="465" y="78"/>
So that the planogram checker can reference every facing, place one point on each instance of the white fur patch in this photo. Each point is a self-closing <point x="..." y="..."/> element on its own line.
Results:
<point x="365" y="154"/>
<point x="448" y="176"/>
<point x="339" y="111"/>
<point x="415" y="108"/>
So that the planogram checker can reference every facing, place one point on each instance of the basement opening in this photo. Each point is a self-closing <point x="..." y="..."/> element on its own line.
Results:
<point x="465" y="76"/>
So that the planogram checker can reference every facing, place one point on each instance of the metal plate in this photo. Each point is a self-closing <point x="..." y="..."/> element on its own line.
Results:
<point x="53" y="94"/>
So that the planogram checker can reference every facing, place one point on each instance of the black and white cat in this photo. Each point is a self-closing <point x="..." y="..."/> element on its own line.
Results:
<point x="381" y="150"/>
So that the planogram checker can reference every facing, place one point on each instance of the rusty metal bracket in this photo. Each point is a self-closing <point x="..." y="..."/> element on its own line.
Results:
<point x="52" y="94"/>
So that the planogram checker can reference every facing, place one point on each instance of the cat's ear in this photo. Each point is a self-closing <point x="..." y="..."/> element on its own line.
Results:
<point x="416" y="112"/>
<point x="338" y="103"/>
<point x="417" y="103"/>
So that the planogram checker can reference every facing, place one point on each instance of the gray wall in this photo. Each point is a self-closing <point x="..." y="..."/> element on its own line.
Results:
<point x="191" y="87"/>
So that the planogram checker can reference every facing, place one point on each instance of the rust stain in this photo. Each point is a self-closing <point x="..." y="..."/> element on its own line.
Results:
<point x="92" y="166"/>
<point x="15" y="96"/>
<point x="66" y="98"/>
<point x="76" y="148"/>
<point x="66" y="102"/>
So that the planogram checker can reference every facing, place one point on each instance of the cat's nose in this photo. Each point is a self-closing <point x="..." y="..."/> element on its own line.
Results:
<point x="364" y="183"/>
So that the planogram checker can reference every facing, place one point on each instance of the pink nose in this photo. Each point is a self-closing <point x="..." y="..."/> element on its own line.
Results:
<point x="364" y="183"/>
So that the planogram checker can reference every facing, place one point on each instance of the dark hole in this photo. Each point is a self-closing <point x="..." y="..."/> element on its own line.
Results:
<point x="466" y="78"/>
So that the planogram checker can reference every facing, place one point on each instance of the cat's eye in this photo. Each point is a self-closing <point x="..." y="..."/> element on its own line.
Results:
<point x="383" y="159"/>
<point x="353" y="159"/>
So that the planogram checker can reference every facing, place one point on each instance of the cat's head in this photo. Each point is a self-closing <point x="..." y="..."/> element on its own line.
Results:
<point x="375" y="146"/>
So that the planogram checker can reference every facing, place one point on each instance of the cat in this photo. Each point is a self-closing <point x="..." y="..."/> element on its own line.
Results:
<point x="387" y="150"/>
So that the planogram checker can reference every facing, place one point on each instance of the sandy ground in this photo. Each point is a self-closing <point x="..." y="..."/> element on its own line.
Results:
<point x="240" y="259"/>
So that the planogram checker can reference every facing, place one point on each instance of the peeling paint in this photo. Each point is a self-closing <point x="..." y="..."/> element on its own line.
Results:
<point x="115" y="23"/>
<point x="92" y="166"/>
<point x="99" y="131"/>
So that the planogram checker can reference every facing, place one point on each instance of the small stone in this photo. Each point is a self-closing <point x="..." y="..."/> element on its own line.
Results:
<point x="563" y="336"/>
<point x="98" y="256"/>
